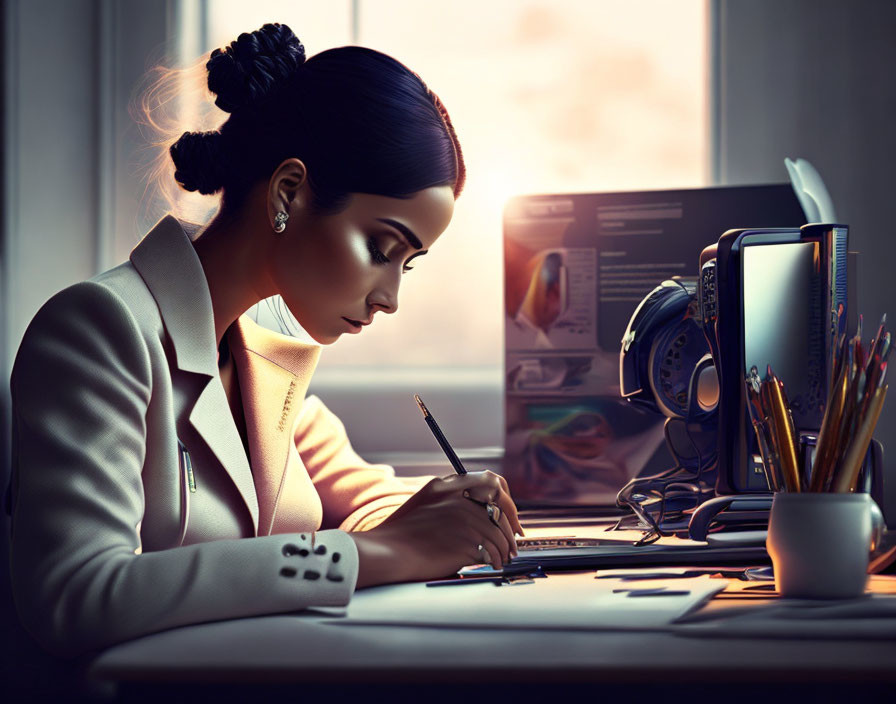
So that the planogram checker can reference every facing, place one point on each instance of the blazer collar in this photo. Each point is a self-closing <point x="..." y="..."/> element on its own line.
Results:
<point x="290" y="354"/>
<point x="169" y="265"/>
<point x="274" y="370"/>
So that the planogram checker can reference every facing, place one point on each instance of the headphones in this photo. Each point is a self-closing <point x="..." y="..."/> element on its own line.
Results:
<point x="666" y="367"/>
<point x="665" y="364"/>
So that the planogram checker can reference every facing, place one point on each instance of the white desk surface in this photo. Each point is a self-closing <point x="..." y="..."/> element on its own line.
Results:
<point x="366" y="644"/>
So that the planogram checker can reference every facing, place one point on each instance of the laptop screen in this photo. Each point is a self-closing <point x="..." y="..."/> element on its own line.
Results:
<point x="575" y="268"/>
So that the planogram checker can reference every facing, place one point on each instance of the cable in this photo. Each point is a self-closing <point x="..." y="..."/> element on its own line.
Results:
<point x="688" y="480"/>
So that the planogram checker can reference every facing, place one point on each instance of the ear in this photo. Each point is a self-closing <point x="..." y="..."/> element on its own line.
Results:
<point x="288" y="188"/>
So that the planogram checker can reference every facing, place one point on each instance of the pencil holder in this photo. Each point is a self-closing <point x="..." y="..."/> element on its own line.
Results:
<point x="819" y="543"/>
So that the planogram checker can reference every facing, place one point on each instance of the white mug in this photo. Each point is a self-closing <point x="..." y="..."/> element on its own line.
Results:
<point x="820" y="543"/>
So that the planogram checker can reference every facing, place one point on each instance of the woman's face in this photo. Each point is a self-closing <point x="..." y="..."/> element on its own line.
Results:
<point x="334" y="269"/>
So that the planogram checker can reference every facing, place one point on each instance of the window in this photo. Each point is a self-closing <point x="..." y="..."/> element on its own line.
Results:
<point x="566" y="95"/>
<point x="547" y="96"/>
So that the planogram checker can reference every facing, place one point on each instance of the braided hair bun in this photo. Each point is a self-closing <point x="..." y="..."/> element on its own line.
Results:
<point x="242" y="76"/>
<point x="359" y="120"/>
<point x="197" y="158"/>
<point x="253" y="66"/>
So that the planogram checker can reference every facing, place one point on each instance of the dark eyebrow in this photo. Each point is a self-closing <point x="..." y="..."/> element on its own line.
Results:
<point x="412" y="239"/>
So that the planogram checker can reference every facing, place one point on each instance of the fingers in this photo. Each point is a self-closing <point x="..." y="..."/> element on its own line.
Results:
<point x="499" y="518"/>
<point x="488" y="486"/>
<point x="504" y="524"/>
<point x="494" y="552"/>
<point x="514" y="514"/>
<point x="480" y="489"/>
<point x="490" y="532"/>
<point x="509" y="514"/>
<point x="472" y="554"/>
<point x="481" y="548"/>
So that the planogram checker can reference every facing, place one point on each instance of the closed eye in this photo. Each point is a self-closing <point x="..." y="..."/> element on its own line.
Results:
<point x="377" y="254"/>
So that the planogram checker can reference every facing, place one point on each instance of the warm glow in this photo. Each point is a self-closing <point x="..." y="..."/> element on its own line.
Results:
<point x="546" y="97"/>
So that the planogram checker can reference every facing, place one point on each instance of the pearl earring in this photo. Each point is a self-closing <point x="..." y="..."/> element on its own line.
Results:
<point x="280" y="221"/>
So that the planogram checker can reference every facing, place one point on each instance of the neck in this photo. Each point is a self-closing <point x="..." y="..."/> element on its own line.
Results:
<point x="232" y="254"/>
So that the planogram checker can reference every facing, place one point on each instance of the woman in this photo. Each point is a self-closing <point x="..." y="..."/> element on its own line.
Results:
<point x="139" y="503"/>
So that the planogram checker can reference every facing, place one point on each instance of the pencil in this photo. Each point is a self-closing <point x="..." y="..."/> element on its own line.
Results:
<point x="769" y="461"/>
<point x="443" y="442"/>
<point x="830" y="425"/>
<point x="785" y="419"/>
<point x="775" y="442"/>
<point x="783" y="432"/>
<point x="851" y="465"/>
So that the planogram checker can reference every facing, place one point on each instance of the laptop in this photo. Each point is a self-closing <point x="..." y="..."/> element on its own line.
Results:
<point x="576" y="266"/>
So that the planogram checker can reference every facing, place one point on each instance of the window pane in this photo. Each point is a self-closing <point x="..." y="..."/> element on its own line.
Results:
<point x="546" y="97"/>
<point x="567" y="95"/>
<point x="318" y="25"/>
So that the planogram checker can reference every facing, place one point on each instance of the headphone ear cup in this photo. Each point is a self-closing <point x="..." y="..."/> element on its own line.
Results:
<point x="677" y="352"/>
<point x="662" y="345"/>
<point x="705" y="385"/>
<point x="662" y="370"/>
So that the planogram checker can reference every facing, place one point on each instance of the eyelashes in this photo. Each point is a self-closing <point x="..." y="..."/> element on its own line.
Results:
<point x="378" y="256"/>
<point x="375" y="252"/>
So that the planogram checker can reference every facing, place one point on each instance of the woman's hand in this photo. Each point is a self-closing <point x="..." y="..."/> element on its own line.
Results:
<point x="459" y="520"/>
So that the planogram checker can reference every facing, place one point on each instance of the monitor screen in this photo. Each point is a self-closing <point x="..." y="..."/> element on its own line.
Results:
<point x="782" y="322"/>
<point x="576" y="266"/>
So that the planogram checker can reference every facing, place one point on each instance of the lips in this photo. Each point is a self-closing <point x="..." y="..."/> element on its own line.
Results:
<point x="356" y="325"/>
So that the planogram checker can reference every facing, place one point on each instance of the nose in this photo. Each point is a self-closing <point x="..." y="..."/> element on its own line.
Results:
<point x="384" y="298"/>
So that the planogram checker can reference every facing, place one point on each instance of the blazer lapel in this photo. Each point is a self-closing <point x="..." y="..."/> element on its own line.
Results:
<point x="168" y="263"/>
<point x="274" y="371"/>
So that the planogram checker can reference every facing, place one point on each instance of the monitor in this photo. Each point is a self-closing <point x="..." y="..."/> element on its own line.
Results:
<point x="576" y="266"/>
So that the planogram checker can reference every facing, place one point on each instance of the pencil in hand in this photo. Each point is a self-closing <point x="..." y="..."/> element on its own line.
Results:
<point x="442" y="440"/>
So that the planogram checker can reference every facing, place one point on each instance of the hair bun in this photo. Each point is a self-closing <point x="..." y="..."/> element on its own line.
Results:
<point x="251" y="68"/>
<point x="198" y="158"/>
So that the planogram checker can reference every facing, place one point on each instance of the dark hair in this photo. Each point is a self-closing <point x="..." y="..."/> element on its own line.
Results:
<point x="360" y="121"/>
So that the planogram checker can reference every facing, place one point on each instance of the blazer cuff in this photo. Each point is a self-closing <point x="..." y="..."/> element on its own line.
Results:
<point x="325" y="561"/>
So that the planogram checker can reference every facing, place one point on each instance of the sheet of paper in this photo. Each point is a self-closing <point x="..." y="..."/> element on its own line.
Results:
<point x="570" y="600"/>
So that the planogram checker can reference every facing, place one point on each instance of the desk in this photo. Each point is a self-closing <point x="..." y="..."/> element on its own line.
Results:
<point x="324" y="650"/>
<point x="374" y="644"/>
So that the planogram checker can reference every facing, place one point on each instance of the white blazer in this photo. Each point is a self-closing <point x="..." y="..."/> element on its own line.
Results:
<point x="135" y="506"/>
